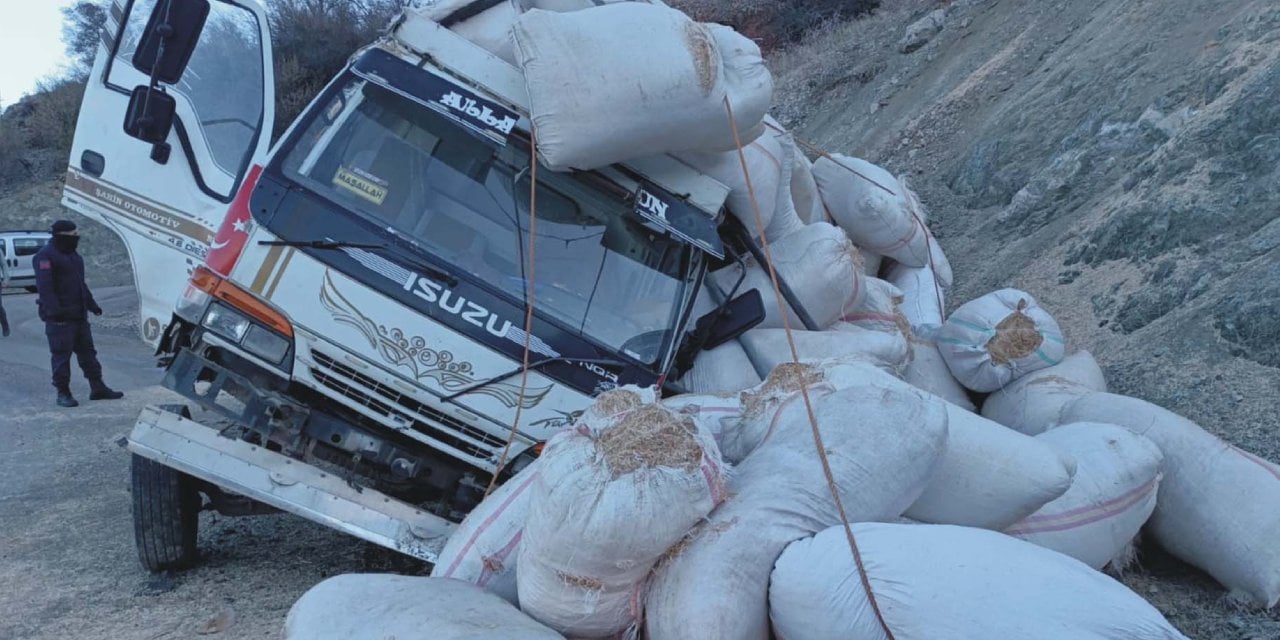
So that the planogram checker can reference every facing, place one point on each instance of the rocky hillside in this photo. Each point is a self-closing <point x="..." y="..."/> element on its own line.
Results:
<point x="1119" y="159"/>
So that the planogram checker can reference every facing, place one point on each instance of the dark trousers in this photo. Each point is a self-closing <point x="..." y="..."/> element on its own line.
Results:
<point x="66" y="338"/>
<point x="4" y="319"/>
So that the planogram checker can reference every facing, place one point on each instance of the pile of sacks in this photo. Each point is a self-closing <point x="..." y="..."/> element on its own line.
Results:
<point x="713" y="516"/>
<point x="916" y="475"/>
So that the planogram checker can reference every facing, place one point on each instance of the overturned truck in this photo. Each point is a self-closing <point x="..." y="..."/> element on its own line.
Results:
<point x="348" y="304"/>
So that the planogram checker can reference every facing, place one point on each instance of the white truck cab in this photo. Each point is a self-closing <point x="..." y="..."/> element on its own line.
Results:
<point x="351" y="301"/>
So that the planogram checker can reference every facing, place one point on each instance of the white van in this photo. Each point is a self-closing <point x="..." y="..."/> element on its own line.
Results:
<point x="16" y="249"/>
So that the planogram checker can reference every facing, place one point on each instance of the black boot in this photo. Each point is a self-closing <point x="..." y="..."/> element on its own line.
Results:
<point x="98" y="390"/>
<point x="65" y="399"/>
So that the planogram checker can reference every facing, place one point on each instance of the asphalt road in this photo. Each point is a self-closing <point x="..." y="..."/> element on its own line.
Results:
<point x="68" y="565"/>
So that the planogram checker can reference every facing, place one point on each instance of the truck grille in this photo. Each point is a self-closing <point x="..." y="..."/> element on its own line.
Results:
<point x="465" y="439"/>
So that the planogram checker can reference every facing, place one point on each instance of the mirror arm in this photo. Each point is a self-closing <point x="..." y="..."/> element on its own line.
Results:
<point x="787" y="294"/>
<point x="159" y="150"/>
<point x="693" y="340"/>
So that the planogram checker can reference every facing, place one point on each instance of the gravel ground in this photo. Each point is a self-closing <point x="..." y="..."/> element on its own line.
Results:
<point x="67" y="557"/>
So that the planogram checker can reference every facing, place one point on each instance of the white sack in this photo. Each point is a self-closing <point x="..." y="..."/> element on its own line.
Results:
<point x="491" y="29"/>
<point x="804" y="190"/>
<point x="390" y="606"/>
<point x="871" y="206"/>
<point x="769" y="162"/>
<point x="713" y="413"/>
<point x="1219" y="506"/>
<point x="888" y="349"/>
<point x="924" y="290"/>
<point x="436" y="10"/>
<point x="819" y="264"/>
<point x="483" y="549"/>
<point x="1111" y="496"/>
<point x="993" y="340"/>
<point x="871" y="262"/>
<point x="1031" y="404"/>
<point x="608" y="502"/>
<point x="928" y="371"/>
<point x="786" y="218"/>
<point x="629" y="80"/>
<point x="769" y="347"/>
<point x="881" y="443"/>
<point x="880" y="308"/>
<point x="724" y="368"/>
<point x="938" y="262"/>
<point x="761" y="404"/>
<point x="990" y="477"/>
<point x="937" y="582"/>
<point x="922" y="306"/>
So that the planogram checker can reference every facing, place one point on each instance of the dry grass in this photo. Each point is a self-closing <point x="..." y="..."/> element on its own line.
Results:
<point x="651" y="436"/>
<point x="785" y="379"/>
<point x="833" y="55"/>
<point x="1016" y="337"/>
<point x="582" y="582"/>
<point x="615" y="401"/>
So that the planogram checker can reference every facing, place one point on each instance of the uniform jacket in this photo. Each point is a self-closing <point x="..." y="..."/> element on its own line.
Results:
<point x="63" y="294"/>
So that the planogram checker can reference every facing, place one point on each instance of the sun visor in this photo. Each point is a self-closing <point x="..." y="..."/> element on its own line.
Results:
<point x="664" y="210"/>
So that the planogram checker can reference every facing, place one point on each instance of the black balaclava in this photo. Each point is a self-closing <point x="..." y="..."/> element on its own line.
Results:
<point x="64" y="243"/>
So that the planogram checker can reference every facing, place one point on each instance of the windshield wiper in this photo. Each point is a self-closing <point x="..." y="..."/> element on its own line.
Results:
<point x="426" y="269"/>
<point x="532" y="365"/>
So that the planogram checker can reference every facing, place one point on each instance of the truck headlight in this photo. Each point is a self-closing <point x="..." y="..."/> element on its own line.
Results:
<point x="267" y="345"/>
<point x="226" y="322"/>
<point x="253" y="337"/>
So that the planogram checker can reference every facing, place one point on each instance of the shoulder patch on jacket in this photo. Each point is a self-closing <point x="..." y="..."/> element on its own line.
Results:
<point x="44" y="264"/>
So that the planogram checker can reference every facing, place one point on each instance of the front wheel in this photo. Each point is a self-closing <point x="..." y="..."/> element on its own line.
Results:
<point x="166" y="515"/>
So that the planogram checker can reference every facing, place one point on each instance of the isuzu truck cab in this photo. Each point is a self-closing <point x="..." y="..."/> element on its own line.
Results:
<point x="348" y="305"/>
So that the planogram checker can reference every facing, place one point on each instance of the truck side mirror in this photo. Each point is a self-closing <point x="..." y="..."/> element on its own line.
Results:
<point x="150" y="114"/>
<point x="734" y="319"/>
<point x="169" y="38"/>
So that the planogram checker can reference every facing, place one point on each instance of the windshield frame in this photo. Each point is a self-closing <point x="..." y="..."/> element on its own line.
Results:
<point x="691" y="258"/>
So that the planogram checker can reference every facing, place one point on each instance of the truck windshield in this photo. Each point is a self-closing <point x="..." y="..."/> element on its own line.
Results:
<point x="464" y="198"/>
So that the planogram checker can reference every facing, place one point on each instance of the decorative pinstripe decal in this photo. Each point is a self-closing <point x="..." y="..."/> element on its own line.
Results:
<point x="275" y="282"/>
<point x="264" y="270"/>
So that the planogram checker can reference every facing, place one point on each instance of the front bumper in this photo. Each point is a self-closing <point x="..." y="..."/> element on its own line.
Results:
<point x="287" y="484"/>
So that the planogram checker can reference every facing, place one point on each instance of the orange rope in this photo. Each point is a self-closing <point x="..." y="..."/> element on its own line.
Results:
<point x="819" y="151"/>
<point x="928" y="237"/>
<point x="804" y="388"/>
<point x="528" y="307"/>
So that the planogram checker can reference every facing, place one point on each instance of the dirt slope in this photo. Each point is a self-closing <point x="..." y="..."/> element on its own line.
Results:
<point x="1116" y="158"/>
<point x="36" y="206"/>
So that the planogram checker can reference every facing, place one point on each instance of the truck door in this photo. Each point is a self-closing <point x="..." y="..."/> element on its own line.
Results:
<point x="166" y="199"/>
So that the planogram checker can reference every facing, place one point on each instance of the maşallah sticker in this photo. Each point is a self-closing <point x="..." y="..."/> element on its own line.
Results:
<point x="361" y="183"/>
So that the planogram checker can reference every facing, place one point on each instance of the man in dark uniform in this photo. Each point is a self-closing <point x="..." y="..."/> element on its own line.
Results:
<point x="65" y="304"/>
<point x="4" y="279"/>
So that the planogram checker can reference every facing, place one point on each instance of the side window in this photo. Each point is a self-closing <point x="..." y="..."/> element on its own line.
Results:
<point x="26" y="246"/>
<point x="220" y="93"/>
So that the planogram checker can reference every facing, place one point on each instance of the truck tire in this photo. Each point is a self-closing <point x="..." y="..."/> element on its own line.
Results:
<point x="166" y="515"/>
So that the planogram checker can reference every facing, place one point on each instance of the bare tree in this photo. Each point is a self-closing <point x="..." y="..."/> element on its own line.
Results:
<point x="313" y="39"/>
<point x="81" y="32"/>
